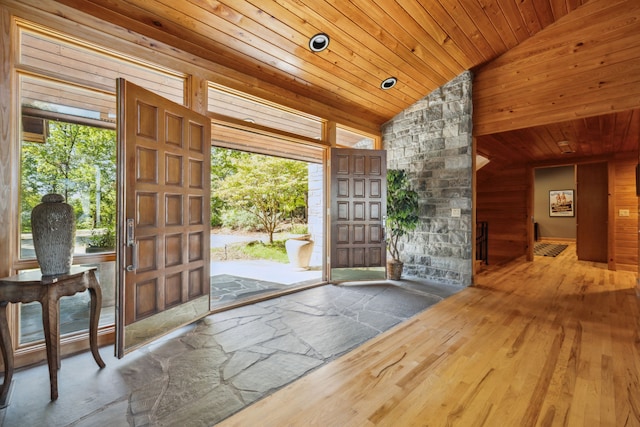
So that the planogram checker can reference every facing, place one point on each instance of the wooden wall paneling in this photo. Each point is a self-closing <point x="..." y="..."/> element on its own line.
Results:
<point x="544" y="12"/>
<point x="46" y="52"/>
<point x="558" y="8"/>
<point x="530" y="17"/>
<point x="626" y="227"/>
<point x="611" y="223"/>
<point x="567" y="37"/>
<point x="470" y="30"/>
<point x="422" y="44"/>
<point x="7" y="207"/>
<point x="199" y="93"/>
<point x="413" y="38"/>
<point x="474" y="217"/>
<point x="631" y="137"/>
<point x="508" y="236"/>
<point x="8" y="212"/>
<point x="531" y="177"/>
<point x="321" y="15"/>
<point x="444" y="46"/>
<point x="502" y="202"/>
<point x="454" y="34"/>
<point x="516" y="20"/>
<point x="119" y="33"/>
<point x="199" y="34"/>
<point x="598" y="41"/>
<point x="492" y="34"/>
<point x="599" y="136"/>
<point x="592" y="201"/>
<point x="308" y="75"/>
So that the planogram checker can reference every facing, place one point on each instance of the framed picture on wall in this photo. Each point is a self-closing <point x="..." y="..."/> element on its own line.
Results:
<point x="561" y="203"/>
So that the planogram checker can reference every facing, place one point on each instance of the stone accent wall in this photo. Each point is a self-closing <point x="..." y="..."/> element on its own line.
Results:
<point x="432" y="141"/>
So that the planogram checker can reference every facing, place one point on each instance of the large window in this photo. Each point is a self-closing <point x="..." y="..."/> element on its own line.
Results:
<point x="68" y="59"/>
<point x="64" y="151"/>
<point x="71" y="151"/>
<point x="67" y="93"/>
<point x="229" y="103"/>
<point x="348" y="138"/>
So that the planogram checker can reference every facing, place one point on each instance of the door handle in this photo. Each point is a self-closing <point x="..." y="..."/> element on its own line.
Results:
<point x="134" y="258"/>
<point x="131" y="242"/>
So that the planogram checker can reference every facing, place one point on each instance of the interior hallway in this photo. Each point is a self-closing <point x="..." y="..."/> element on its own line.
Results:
<point x="553" y="342"/>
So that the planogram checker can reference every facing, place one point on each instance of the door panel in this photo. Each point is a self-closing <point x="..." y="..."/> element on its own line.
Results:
<point x="592" y="209"/>
<point x="358" y="206"/>
<point x="163" y="249"/>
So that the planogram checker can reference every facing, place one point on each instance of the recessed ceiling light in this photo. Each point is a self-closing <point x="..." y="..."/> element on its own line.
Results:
<point x="388" y="83"/>
<point x="319" y="42"/>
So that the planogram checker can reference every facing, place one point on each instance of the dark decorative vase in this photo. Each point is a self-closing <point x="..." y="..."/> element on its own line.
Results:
<point x="54" y="231"/>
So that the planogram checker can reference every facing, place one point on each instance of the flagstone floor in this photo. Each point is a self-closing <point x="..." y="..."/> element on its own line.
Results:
<point x="203" y="373"/>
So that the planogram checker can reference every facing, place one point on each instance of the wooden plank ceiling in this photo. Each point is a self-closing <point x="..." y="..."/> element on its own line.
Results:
<point x="423" y="44"/>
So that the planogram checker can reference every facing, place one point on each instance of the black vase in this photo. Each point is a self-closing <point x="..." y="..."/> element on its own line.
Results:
<point x="54" y="230"/>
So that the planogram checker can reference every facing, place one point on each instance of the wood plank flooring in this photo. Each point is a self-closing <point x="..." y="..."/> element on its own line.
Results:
<point x="554" y="342"/>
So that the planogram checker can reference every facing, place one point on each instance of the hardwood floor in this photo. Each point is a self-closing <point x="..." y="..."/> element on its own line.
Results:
<point x="550" y="342"/>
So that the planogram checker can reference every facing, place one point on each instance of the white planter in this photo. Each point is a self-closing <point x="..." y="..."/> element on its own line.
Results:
<point x="299" y="251"/>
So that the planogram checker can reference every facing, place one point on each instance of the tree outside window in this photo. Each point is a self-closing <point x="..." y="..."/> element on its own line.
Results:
<point x="270" y="190"/>
<point x="79" y="162"/>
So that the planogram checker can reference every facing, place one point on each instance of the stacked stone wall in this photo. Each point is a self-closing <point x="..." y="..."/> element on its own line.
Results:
<point x="432" y="141"/>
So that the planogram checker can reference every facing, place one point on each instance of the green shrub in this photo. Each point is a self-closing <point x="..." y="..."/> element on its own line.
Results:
<point x="239" y="220"/>
<point x="299" y="229"/>
<point x="103" y="238"/>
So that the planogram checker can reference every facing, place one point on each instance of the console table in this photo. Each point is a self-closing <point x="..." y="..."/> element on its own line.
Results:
<point x="30" y="286"/>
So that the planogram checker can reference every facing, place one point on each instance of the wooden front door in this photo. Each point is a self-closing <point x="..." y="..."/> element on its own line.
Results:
<point x="358" y="207"/>
<point x="592" y="207"/>
<point x="164" y="156"/>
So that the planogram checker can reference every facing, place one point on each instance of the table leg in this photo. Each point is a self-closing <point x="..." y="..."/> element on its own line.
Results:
<point x="96" y="305"/>
<point x="7" y="355"/>
<point x="50" y="322"/>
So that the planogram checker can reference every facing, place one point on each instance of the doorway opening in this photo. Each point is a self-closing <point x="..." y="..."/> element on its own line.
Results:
<point x="554" y="210"/>
<point x="266" y="225"/>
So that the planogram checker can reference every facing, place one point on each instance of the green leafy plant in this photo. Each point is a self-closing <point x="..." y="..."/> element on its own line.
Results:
<point x="299" y="229"/>
<point x="402" y="209"/>
<point x="103" y="239"/>
<point x="268" y="188"/>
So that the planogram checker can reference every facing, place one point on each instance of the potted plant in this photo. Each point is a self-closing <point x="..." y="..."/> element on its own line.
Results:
<point x="402" y="216"/>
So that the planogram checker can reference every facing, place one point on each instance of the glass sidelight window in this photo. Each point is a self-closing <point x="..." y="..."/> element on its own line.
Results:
<point x="67" y="145"/>
<point x="70" y="151"/>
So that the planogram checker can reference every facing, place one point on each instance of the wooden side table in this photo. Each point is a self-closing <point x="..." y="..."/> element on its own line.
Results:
<point x="32" y="286"/>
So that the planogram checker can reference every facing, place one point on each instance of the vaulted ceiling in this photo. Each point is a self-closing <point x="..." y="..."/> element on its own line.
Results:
<point x="424" y="44"/>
